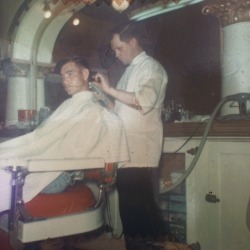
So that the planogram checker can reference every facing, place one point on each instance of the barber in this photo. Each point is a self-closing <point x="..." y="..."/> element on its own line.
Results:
<point x="139" y="97"/>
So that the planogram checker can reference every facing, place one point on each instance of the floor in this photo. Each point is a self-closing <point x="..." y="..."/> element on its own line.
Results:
<point x="97" y="240"/>
<point x="103" y="241"/>
<point x="94" y="241"/>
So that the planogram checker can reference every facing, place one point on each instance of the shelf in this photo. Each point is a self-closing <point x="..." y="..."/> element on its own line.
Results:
<point x="218" y="128"/>
<point x="177" y="198"/>
<point x="173" y="203"/>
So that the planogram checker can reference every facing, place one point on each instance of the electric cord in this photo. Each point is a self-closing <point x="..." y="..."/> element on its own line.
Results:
<point x="241" y="97"/>
<point x="170" y="155"/>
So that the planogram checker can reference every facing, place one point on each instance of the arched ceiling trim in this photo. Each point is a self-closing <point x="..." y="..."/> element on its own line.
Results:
<point x="26" y="33"/>
<point x="47" y="41"/>
<point x="34" y="36"/>
<point x="17" y="18"/>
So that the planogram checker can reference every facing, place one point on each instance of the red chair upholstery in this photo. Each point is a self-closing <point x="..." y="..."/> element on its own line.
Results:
<point x="75" y="199"/>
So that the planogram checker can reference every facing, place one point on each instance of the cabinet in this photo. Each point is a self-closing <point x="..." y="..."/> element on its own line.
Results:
<point x="223" y="170"/>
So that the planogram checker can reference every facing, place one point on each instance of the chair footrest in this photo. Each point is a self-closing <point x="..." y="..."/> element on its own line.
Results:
<point x="61" y="226"/>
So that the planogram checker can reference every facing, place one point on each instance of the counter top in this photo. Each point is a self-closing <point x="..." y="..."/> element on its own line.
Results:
<point x="218" y="128"/>
<point x="13" y="132"/>
<point x="237" y="128"/>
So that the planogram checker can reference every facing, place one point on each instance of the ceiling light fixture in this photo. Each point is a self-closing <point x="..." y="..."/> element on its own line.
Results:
<point x="76" y="19"/>
<point x="47" y="10"/>
<point x="120" y="5"/>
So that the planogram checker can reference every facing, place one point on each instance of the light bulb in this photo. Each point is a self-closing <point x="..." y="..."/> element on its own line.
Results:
<point x="47" y="14"/>
<point x="75" y="17"/>
<point x="47" y="11"/>
<point x="76" y="21"/>
<point x="120" y="5"/>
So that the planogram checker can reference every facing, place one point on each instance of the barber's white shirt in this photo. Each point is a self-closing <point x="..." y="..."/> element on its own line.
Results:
<point x="147" y="79"/>
<point x="79" y="128"/>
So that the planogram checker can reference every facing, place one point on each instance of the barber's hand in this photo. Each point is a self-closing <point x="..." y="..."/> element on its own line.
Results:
<point x="103" y="81"/>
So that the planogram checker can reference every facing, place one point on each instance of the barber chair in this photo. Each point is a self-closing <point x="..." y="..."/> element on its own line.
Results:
<point x="77" y="210"/>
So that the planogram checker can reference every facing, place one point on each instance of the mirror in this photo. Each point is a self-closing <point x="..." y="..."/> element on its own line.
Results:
<point x="186" y="42"/>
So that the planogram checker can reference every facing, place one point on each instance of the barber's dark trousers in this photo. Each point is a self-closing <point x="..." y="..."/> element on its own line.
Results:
<point x="138" y="204"/>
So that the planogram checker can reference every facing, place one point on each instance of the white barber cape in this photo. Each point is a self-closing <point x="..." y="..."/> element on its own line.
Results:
<point x="79" y="128"/>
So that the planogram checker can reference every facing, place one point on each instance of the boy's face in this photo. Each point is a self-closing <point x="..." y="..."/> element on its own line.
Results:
<point x="74" y="78"/>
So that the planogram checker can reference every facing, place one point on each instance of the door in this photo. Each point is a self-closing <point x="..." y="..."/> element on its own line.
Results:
<point x="218" y="191"/>
<point x="229" y="179"/>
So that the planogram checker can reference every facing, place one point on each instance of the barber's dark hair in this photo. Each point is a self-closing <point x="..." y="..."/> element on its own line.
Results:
<point x="78" y="60"/>
<point x="130" y="30"/>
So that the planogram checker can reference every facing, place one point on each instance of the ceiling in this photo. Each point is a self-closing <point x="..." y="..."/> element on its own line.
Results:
<point x="104" y="11"/>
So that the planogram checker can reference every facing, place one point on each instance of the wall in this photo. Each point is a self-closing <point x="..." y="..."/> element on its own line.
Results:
<point x="7" y="12"/>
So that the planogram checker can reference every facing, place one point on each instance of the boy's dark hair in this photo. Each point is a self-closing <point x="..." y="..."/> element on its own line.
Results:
<point x="78" y="60"/>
